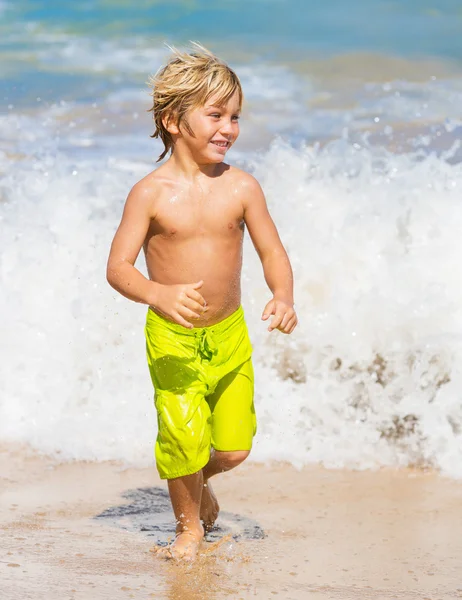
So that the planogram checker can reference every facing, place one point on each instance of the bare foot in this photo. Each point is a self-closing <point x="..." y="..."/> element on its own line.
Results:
<point x="184" y="548"/>
<point x="209" y="507"/>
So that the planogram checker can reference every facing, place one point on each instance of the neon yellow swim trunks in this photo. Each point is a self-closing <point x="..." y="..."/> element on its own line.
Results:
<point x="203" y="382"/>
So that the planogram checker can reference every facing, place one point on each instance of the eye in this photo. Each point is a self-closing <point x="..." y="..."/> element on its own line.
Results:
<point x="215" y="115"/>
<point x="235" y="118"/>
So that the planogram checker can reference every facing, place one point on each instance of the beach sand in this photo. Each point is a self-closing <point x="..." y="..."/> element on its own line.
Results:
<point x="83" y="531"/>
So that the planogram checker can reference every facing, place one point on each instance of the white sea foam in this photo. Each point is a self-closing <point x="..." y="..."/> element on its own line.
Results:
<point x="371" y="377"/>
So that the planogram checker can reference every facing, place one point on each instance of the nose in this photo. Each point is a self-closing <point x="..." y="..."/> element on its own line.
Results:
<point x="228" y="127"/>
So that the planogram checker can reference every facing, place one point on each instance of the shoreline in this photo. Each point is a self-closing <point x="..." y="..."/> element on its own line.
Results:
<point x="83" y="530"/>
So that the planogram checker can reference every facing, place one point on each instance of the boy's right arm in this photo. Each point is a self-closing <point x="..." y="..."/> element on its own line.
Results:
<point x="177" y="302"/>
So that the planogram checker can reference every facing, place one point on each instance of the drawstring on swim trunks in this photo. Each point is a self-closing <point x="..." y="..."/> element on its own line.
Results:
<point x="206" y="346"/>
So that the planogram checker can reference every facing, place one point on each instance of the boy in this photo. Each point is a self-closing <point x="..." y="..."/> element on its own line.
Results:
<point x="189" y="216"/>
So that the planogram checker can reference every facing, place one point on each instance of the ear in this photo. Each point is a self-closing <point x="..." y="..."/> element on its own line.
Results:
<point x="170" y="124"/>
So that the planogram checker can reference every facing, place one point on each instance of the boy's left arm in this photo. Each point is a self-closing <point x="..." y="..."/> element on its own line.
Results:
<point x="274" y="259"/>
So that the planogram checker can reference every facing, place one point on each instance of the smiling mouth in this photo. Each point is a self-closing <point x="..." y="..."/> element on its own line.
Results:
<point x="221" y="144"/>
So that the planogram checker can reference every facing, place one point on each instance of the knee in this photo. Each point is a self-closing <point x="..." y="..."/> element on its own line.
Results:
<point x="229" y="460"/>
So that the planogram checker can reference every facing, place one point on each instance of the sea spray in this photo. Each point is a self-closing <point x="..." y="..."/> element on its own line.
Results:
<point x="372" y="374"/>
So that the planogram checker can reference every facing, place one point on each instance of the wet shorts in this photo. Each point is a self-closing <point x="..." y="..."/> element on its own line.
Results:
<point x="203" y="382"/>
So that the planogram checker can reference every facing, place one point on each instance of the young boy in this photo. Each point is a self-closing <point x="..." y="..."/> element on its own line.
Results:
<point x="189" y="216"/>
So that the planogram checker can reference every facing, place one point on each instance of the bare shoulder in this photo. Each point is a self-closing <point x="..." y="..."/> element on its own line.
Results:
<point x="239" y="176"/>
<point x="244" y="184"/>
<point x="148" y="192"/>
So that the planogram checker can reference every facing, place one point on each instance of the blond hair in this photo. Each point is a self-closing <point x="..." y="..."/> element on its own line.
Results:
<point x="186" y="82"/>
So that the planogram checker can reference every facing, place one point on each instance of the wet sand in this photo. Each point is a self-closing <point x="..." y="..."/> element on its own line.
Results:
<point x="83" y="531"/>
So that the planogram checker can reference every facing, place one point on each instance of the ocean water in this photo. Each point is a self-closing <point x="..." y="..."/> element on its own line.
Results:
<point x="352" y="124"/>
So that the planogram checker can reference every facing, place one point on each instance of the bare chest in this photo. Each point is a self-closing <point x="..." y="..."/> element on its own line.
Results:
<point x="183" y="219"/>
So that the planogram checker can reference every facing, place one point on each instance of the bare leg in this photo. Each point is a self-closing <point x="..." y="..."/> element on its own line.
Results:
<point x="185" y="494"/>
<point x="219" y="463"/>
<point x="223" y="461"/>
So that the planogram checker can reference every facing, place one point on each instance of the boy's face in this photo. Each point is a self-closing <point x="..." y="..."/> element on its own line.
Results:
<point x="215" y="128"/>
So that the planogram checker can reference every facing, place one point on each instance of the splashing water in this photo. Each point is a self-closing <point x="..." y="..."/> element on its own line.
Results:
<point x="372" y="375"/>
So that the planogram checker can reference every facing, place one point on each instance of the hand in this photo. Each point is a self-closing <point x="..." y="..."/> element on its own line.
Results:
<point x="284" y="318"/>
<point x="180" y="302"/>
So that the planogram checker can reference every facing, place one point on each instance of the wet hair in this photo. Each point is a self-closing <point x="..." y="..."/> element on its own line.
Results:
<point x="186" y="82"/>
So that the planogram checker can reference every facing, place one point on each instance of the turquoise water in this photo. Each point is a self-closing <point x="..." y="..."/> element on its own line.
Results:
<point x="41" y="41"/>
<point x="335" y="64"/>
<point x="407" y="28"/>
